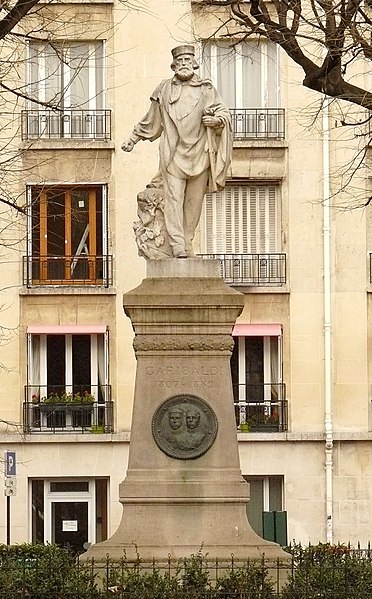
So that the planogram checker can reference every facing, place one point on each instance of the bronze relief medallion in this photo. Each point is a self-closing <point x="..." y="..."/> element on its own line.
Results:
<point x="184" y="427"/>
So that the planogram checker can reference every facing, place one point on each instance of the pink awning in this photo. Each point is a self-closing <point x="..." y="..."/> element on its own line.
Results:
<point x="64" y="329"/>
<point x="257" y="330"/>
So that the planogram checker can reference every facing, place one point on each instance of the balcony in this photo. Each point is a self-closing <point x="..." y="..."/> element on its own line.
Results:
<point x="53" y="409"/>
<point x="67" y="270"/>
<point x="259" y="270"/>
<point x="66" y="124"/>
<point x="258" y="123"/>
<point x="261" y="407"/>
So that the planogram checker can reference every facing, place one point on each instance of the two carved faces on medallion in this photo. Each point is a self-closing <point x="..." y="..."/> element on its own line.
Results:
<point x="184" y="427"/>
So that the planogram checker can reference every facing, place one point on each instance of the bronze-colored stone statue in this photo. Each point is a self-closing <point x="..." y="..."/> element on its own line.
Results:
<point x="194" y="127"/>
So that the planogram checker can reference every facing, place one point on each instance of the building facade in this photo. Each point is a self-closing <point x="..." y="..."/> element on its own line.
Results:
<point x="301" y="370"/>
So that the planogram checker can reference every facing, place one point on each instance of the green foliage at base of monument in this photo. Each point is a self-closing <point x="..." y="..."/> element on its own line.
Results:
<point x="196" y="577"/>
<point x="43" y="572"/>
<point x="50" y="572"/>
<point x="330" y="572"/>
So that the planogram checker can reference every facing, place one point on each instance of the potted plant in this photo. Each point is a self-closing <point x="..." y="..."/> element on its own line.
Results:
<point x="66" y="399"/>
<point x="97" y="429"/>
<point x="84" y="398"/>
<point x="264" y="422"/>
<point x="81" y="409"/>
<point x="244" y="427"/>
<point x="55" y="401"/>
<point x="59" y="404"/>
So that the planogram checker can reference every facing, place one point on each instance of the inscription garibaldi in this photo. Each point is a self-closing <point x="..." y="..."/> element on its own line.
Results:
<point x="194" y="127"/>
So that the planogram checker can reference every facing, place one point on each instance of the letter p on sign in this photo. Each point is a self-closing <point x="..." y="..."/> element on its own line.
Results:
<point x="10" y="463"/>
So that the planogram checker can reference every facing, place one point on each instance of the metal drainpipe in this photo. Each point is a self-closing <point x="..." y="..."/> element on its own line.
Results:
<point x="328" y="416"/>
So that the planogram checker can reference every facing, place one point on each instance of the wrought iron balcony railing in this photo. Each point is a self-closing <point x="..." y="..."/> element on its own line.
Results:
<point x="252" y="269"/>
<point x="261" y="407"/>
<point x="67" y="270"/>
<point x="66" y="124"/>
<point x="258" y="123"/>
<point x="57" y="409"/>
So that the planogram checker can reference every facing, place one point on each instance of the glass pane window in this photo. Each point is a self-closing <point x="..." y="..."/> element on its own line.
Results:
<point x="67" y="237"/>
<point x="69" y="486"/>
<point x="266" y="494"/>
<point x="241" y="219"/>
<point x="68" y="75"/>
<point x="68" y="363"/>
<point x="256" y="368"/>
<point x="257" y="379"/>
<point x="70" y="513"/>
<point x="68" y="381"/>
<point x="245" y="73"/>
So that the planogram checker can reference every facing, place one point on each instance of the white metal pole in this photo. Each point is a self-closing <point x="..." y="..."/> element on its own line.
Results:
<point x="327" y="293"/>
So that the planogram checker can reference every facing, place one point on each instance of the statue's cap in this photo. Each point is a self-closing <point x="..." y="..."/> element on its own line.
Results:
<point x="185" y="49"/>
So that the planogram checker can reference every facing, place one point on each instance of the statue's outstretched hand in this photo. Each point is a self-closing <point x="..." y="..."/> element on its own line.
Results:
<point x="128" y="145"/>
<point x="211" y="121"/>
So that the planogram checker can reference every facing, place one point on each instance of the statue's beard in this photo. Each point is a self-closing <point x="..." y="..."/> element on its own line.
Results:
<point x="184" y="73"/>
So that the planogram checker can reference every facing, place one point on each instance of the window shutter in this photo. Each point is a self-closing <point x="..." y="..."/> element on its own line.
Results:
<point x="263" y="218"/>
<point x="227" y="198"/>
<point x="217" y="219"/>
<point x="241" y="220"/>
<point x="253" y="224"/>
<point x="271" y="245"/>
<point x="209" y="220"/>
<point x="244" y="221"/>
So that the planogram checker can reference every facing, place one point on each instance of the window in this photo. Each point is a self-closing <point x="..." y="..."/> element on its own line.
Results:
<point x="246" y="75"/>
<point x="67" y="236"/>
<point x="242" y="219"/>
<point x="70" y="513"/>
<point x="68" y="386"/>
<point x="257" y="378"/>
<point x="266" y="496"/>
<point x="241" y="226"/>
<point x="69" y="76"/>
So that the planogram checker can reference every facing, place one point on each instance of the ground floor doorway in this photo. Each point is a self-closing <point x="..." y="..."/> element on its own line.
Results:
<point x="71" y="513"/>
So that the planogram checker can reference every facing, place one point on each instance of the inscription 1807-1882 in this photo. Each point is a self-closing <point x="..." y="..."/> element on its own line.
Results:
<point x="174" y="377"/>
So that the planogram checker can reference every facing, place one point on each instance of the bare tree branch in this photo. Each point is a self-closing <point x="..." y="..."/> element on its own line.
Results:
<point x="339" y="30"/>
<point x="19" y="10"/>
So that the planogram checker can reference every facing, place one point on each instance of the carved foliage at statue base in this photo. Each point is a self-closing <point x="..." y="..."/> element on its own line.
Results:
<point x="151" y="234"/>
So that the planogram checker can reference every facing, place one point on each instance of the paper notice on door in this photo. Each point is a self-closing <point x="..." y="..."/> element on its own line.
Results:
<point x="69" y="525"/>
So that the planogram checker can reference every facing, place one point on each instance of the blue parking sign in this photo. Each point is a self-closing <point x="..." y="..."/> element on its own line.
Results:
<point x="10" y="463"/>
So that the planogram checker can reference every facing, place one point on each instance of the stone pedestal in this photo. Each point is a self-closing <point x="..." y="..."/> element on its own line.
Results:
<point x="183" y="491"/>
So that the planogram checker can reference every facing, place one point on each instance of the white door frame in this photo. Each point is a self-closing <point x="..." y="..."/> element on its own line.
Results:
<point x="69" y="497"/>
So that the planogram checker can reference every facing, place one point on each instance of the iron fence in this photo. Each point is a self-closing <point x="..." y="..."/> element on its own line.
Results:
<point x="66" y="124"/>
<point x="258" y="123"/>
<point x="319" y="572"/>
<point x="259" y="270"/>
<point x="260" y="407"/>
<point x="67" y="270"/>
<point x="79" y="408"/>
<point x="265" y="417"/>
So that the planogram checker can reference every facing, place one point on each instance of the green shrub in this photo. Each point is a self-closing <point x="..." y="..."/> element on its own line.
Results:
<point x="190" y="578"/>
<point x="328" y="572"/>
<point x="43" y="572"/>
<point x="48" y="572"/>
<point x="247" y="582"/>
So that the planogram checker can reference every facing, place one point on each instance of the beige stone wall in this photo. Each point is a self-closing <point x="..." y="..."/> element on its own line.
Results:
<point x="138" y="57"/>
<point x="55" y="459"/>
